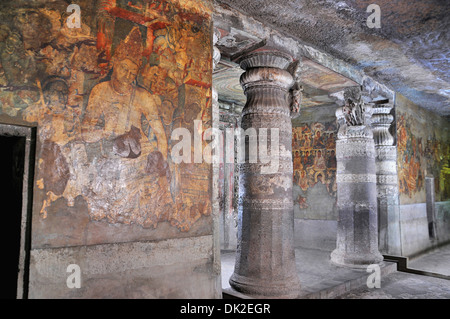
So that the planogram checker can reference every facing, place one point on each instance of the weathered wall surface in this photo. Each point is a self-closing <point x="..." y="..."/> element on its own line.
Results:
<point x="314" y="183"/>
<point x="106" y="97"/>
<point x="170" y="268"/>
<point x="414" y="227"/>
<point x="423" y="149"/>
<point x="314" y="156"/>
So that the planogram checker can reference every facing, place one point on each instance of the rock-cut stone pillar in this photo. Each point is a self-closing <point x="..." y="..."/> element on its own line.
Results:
<point x="265" y="260"/>
<point x="357" y="229"/>
<point x="389" y="237"/>
<point x="215" y="177"/>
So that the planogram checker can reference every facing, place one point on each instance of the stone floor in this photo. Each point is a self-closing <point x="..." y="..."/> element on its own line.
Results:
<point x="322" y="280"/>
<point x="436" y="261"/>
<point x="401" y="285"/>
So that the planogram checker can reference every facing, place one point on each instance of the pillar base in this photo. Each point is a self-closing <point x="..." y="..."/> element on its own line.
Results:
<point x="288" y="288"/>
<point x="355" y="260"/>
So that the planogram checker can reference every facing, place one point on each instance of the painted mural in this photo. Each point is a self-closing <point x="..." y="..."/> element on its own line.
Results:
<point x="422" y="151"/>
<point x="105" y="98"/>
<point x="411" y="173"/>
<point x="314" y="156"/>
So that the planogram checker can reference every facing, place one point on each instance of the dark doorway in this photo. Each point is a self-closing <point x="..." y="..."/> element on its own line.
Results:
<point x="11" y="193"/>
<point x="431" y="214"/>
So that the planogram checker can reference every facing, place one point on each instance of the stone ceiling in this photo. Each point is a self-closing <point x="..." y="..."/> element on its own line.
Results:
<point x="317" y="81"/>
<point x="409" y="54"/>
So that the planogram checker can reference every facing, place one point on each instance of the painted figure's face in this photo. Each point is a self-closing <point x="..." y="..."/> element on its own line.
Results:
<point x="166" y="112"/>
<point x="125" y="72"/>
<point x="13" y="42"/>
<point x="56" y="96"/>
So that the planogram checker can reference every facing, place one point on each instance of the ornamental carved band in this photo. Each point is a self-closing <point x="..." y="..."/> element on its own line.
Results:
<point x="354" y="148"/>
<point x="387" y="179"/>
<point x="386" y="153"/>
<point x="359" y="206"/>
<point x="262" y="204"/>
<point x="356" y="178"/>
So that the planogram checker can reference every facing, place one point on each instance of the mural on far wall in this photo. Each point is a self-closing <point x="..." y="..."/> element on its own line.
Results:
<point x="314" y="156"/>
<point x="421" y="153"/>
<point x="106" y="97"/>
<point x="410" y="149"/>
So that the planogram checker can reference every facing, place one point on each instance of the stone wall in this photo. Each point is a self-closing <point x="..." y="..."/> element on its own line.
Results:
<point x="423" y="150"/>
<point x="314" y="156"/>
<point x="314" y="190"/>
<point x="105" y="96"/>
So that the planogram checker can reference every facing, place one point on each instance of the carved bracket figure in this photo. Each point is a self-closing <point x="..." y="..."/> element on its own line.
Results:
<point x="354" y="117"/>
<point x="295" y="93"/>
<point x="354" y="109"/>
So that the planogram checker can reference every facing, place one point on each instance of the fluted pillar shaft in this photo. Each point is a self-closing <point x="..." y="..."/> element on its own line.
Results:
<point x="265" y="261"/>
<point x="357" y="233"/>
<point x="387" y="181"/>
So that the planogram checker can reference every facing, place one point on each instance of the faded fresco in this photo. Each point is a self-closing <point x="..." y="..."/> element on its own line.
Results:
<point x="105" y="98"/>
<point x="314" y="159"/>
<point x="422" y="150"/>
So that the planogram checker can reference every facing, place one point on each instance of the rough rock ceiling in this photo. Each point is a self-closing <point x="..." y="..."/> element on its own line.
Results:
<point x="409" y="53"/>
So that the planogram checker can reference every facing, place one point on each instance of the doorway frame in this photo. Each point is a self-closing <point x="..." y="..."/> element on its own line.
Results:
<point x="29" y="133"/>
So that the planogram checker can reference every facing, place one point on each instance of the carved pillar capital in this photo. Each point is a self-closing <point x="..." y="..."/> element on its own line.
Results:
<point x="265" y="58"/>
<point x="266" y="83"/>
<point x="266" y="77"/>
<point x="381" y="122"/>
